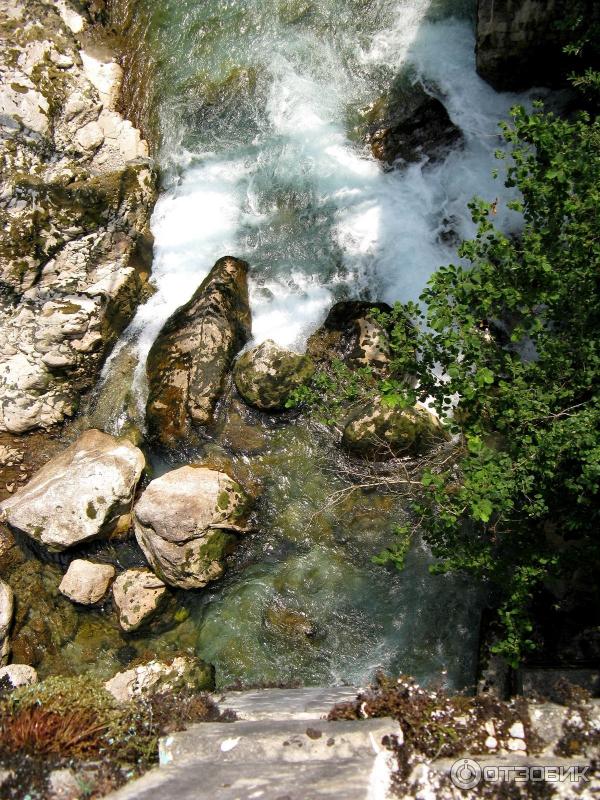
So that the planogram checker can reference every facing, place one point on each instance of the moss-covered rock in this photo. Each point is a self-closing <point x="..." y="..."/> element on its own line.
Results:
<point x="191" y="357"/>
<point x="376" y="430"/>
<point x="267" y="375"/>
<point x="185" y="523"/>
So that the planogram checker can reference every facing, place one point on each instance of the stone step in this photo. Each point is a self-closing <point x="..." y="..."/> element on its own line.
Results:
<point x="305" y="703"/>
<point x="276" y="740"/>
<point x="342" y="779"/>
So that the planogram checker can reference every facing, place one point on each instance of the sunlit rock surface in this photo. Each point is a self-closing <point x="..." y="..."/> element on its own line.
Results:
<point x="185" y="521"/>
<point x="80" y="494"/>
<point x="138" y="594"/>
<point x="76" y="192"/>
<point x="85" y="582"/>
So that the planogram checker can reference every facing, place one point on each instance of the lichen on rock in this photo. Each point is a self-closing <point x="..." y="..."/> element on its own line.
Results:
<point x="266" y="375"/>
<point x="186" y="521"/>
<point x="192" y="355"/>
<point x="76" y="192"/>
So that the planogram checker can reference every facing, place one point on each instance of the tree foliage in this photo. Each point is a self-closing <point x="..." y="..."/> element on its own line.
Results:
<point x="514" y="331"/>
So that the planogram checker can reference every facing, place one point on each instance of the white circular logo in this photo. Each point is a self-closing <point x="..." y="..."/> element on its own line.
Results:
<point x="466" y="773"/>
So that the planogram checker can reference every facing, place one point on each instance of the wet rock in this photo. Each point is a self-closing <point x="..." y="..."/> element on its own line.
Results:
<point x="351" y="333"/>
<point x="267" y="375"/>
<point x="160" y="677"/>
<point x="19" y="675"/>
<point x="519" y="43"/>
<point x="78" y="495"/>
<point x="7" y="609"/>
<point x="409" y="124"/>
<point x="184" y="523"/>
<point x="85" y="582"/>
<point x="192" y="355"/>
<point x="242" y="436"/>
<point x="377" y="430"/>
<point x="138" y="594"/>
<point x="76" y="192"/>
<point x="290" y="623"/>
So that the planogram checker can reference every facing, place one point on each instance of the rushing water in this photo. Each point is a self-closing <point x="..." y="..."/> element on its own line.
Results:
<point x="253" y="103"/>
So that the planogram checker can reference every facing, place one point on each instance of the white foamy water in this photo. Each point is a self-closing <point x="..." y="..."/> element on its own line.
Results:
<point x="313" y="213"/>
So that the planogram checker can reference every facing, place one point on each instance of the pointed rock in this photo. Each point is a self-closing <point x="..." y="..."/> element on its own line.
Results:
<point x="191" y="358"/>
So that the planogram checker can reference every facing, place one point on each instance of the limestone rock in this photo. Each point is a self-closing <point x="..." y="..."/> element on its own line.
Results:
<point x="191" y="357"/>
<point x="409" y="124"/>
<point x="7" y="609"/>
<point x="63" y="785"/>
<point x="76" y="193"/>
<point x="138" y="594"/>
<point x="377" y="430"/>
<point x="351" y="333"/>
<point x="85" y="582"/>
<point x="160" y="677"/>
<point x="267" y="375"/>
<point x="19" y="675"/>
<point x="80" y="494"/>
<point x="519" y="43"/>
<point x="184" y="522"/>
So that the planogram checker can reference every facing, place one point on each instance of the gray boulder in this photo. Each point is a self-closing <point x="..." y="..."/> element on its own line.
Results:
<point x="80" y="494"/>
<point x="185" y="521"/>
<point x="267" y="375"/>
<point x="191" y="358"/>
<point x="19" y="675"/>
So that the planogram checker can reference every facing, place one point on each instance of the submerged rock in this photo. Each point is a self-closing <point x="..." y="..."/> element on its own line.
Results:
<point x="85" y="582"/>
<point x="184" y="523"/>
<point x="159" y="677"/>
<point x="290" y="623"/>
<point x="19" y="675"/>
<point x="267" y="375"/>
<point x="7" y="610"/>
<point x="76" y="193"/>
<point x="78" y="495"/>
<point x="409" y="124"/>
<point x="138" y="595"/>
<point x="191" y="358"/>
<point x="351" y="333"/>
<point x="377" y="430"/>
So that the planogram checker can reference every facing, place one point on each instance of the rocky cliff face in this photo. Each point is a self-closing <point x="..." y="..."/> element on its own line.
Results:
<point x="519" y="44"/>
<point x="76" y="192"/>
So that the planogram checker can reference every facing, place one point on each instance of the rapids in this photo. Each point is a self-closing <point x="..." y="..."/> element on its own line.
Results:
<point x="253" y="103"/>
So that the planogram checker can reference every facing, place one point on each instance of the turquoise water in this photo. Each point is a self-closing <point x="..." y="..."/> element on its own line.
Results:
<point x="253" y="105"/>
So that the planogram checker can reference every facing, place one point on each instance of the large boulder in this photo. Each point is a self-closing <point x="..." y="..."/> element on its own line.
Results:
<point x="76" y="194"/>
<point x="191" y="358"/>
<point x="267" y="375"/>
<point x="7" y="610"/>
<point x="352" y="334"/>
<point x="79" y="495"/>
<point x="519" y="43"/>
<point x="86" y="582"/>
<point x="159" y="677"/>
<point x="376" y="430"/>
<point x="138" y="594"/>
<point x="409" y="124"/>
<point x="185" y="521"/>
